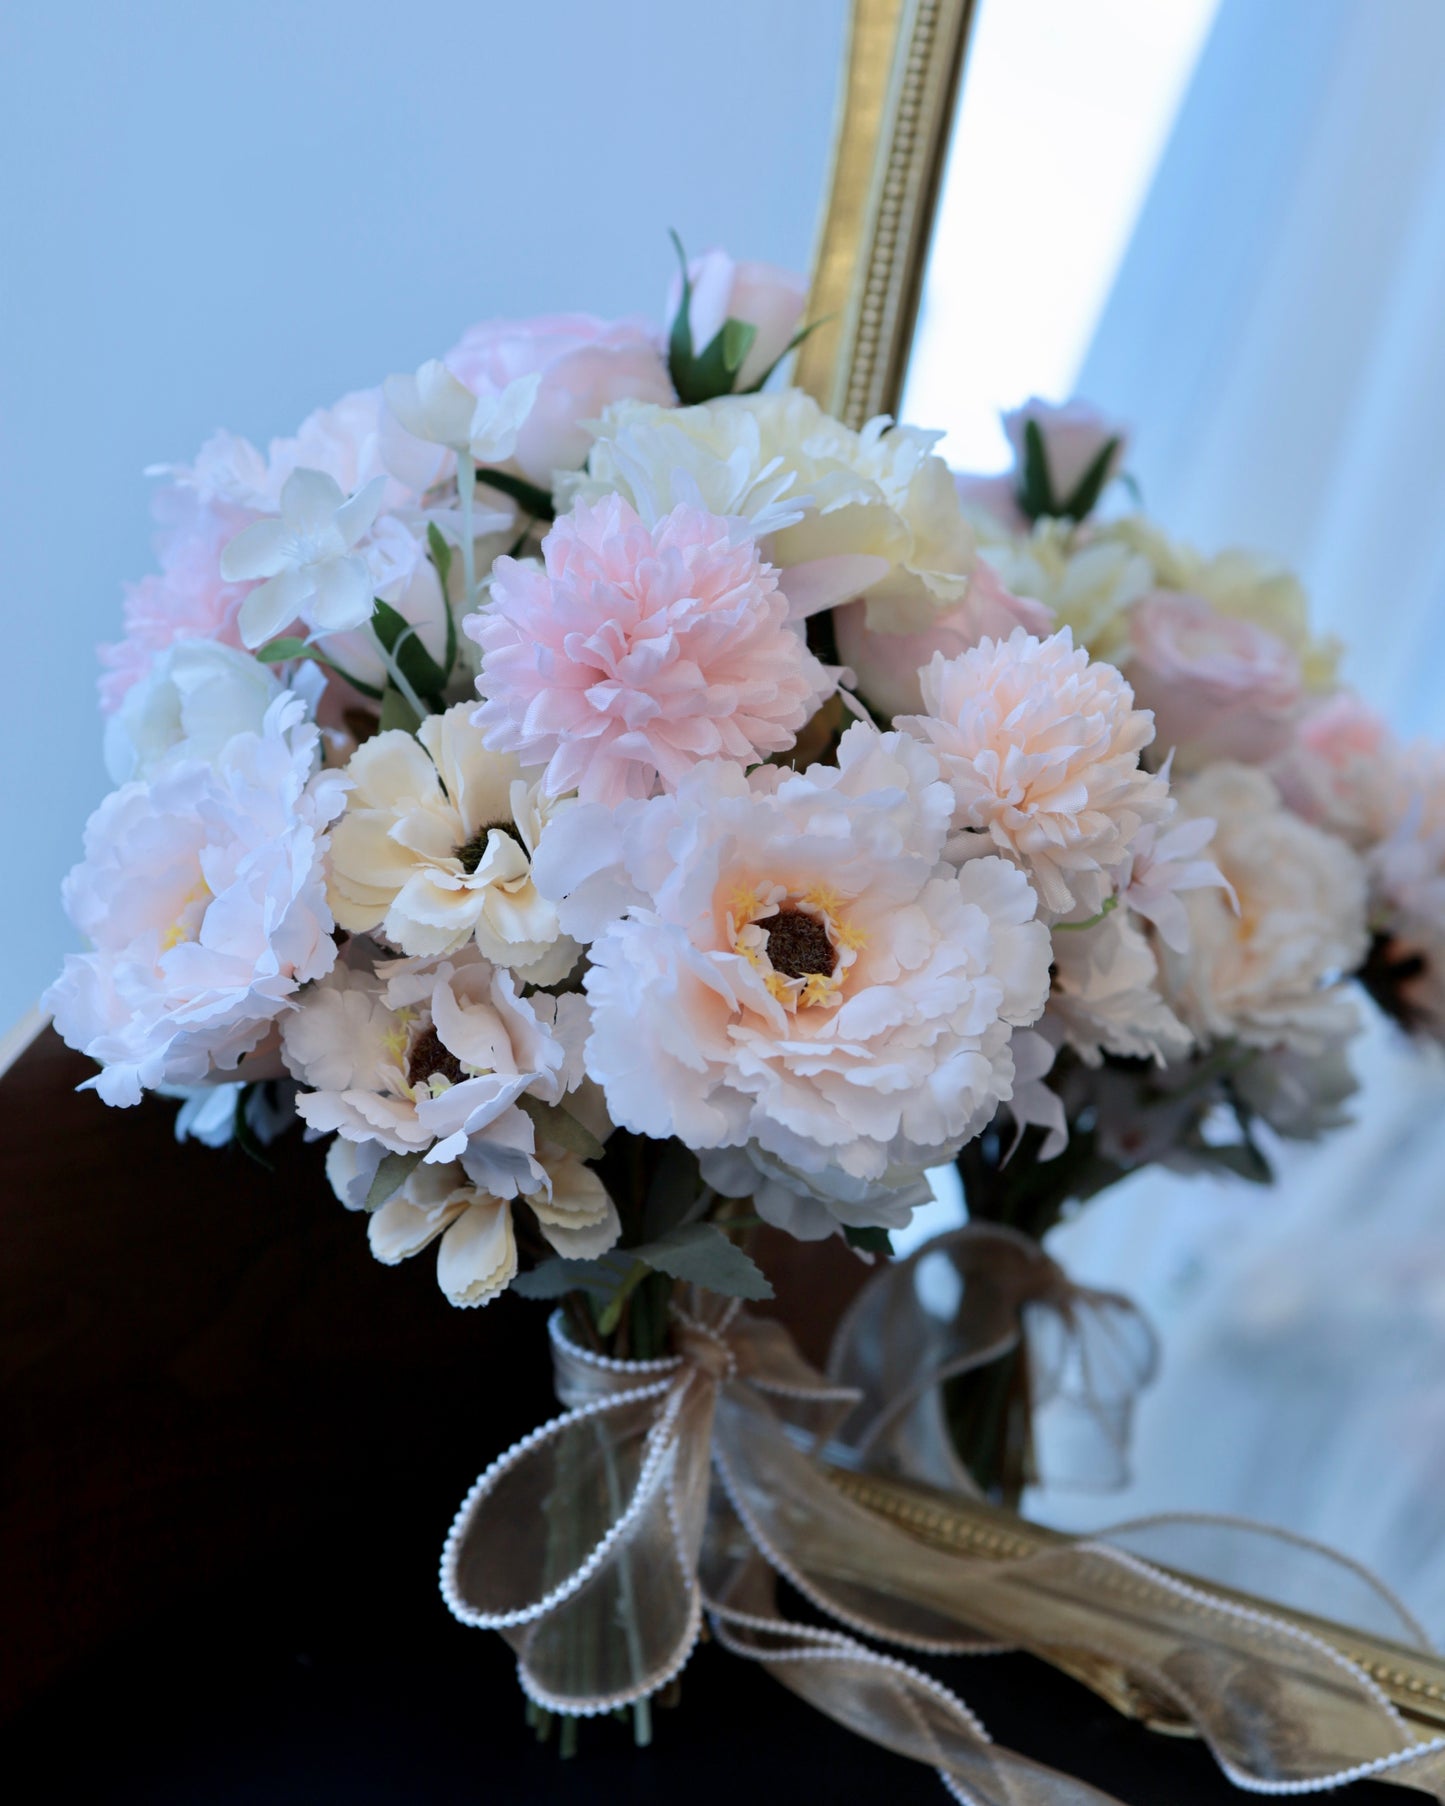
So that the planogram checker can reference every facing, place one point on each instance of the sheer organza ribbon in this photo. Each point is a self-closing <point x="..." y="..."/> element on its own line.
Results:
<point x="962" y="1301"/>
<point x="673" y="1488"/>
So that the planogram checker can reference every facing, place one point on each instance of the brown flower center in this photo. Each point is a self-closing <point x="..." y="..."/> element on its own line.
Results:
<point x="430" y="1058"/>
<point x="471" y="851"/>
<point x="799" y="945"/>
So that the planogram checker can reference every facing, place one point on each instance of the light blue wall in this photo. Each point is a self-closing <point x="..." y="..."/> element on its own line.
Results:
<point x="231" y="213"/>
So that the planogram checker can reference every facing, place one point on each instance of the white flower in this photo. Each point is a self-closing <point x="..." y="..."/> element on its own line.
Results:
<point x="1162" y="862"/>
<point x="308" y="558"/>
<point x="203" y="892"/>
<point x="197" y="695"/>
<point x="435" y="849"/>
<point x="477" y="1256"/>
<point x="431" y="1057"/>
<point x="1300" y="1095"/>
<point x="1269" y="972"/>
<point x="798" y="970"/>
<point x="1041" y="747"/>
<point x="1107" y="998"/>
<point x="439" y="408"/>
<point x="805" y="484"/>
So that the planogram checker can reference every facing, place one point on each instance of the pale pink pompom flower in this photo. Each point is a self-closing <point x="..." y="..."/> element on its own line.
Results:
<point x="187" y="599"/>
<point x="637" y="652"/>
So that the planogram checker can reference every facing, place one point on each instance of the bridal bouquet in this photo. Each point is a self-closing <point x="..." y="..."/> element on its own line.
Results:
<point x="615" y="804"/>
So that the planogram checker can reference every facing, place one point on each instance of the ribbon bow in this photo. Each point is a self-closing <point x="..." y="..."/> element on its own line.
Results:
<point x="675" y="1487"/>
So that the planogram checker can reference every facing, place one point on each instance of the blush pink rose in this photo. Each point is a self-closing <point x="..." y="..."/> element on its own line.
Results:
<point x="1073" y="434"/>
<point x="1220" y="687"/>
<point x="888" y="665"/>
<point x="759" y="294"/>
<point x="1345" y="771"/>
<point x="585" y="365"/>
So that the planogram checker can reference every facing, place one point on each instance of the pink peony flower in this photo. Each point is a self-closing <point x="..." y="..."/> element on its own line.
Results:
<point x="758" y="294"/>
<point x="783" y="966"/>
<point x="638" y="652"/>
<point x="187" y="599"/>
<point x="204" y="894"/>
<point x="1220" y="686"/>
<point x="1041" y="746"/>
<point x="887" y="665"/>
<point x="585" y="364"/>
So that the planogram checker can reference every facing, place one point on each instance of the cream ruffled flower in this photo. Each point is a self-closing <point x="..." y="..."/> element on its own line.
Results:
<point x="435" y="849"/>
<point x="798" y="974"/>
<point x="806" y="485"/>
<point x="477" y="1255"/>
<point x="638" y="651"/>
<point x="431" y="1057"/>
<point x="1041" y="747"/>
<point x="203" y="893"/>
<point x="1107" y="997"/>
<point x="1269" y="974"/>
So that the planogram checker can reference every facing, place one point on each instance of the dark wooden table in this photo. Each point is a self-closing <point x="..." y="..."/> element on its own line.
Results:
<point x="232" y="1445"/>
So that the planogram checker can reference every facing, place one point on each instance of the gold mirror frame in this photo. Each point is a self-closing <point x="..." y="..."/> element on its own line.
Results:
<point x="903" y="73"/>
<point x="904" y="63"/>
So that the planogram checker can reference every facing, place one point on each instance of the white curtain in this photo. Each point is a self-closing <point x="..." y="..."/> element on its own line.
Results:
<point x="1277" y="332"/>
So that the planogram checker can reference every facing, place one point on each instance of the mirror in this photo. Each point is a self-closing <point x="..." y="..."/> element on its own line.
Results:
<point x="1224" y="224"/>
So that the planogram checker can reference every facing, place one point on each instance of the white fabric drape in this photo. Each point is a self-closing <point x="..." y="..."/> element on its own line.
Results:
<point x="1277" y="333"/>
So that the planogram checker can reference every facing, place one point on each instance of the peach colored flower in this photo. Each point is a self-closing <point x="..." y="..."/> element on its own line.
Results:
<point x="1041" y="746"/>
<point x="1220" y="686"/>
<point x="638" y="652"/>
<point x="781" y="964"/>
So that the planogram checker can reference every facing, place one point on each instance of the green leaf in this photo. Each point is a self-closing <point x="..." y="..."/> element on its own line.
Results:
<point x="245" y="1140"/>
<point x="679" y="338"/>
<point x="674" y="1190"/>
<point x="441" y="557"/>
<point x="1082" y="502"/>
<point x="1243" y="1159"/>
<point x="737" y="342"/>
<point x="803" y="332"/>
<point x="537" y="502"/>
<point x="701" y="1254"/>
<point x="870" y="1241"/>
<point x="397" y="712"/>
<point x="441" y="552"/>
<point x="1036" y="492"/>
<point x="401" y="640"/>
<point x="559" y="1126"/>
<point x="276" y="652"/>
<point x="552" y="1278"/>
<point x="390" y="1176"/>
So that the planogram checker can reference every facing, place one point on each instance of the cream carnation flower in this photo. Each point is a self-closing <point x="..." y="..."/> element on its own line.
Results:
<point x="477" y="1255"/>
<point x="1269" y="973"/>
<point x="1041" y="747"/>
<point x="805" y="484"/>
<point x="435" y="850"/>
<point x="431" y="1057"/>
<point x="1088" y="578"/>
<point x="204" y="896"/>
<point x="798" y="974"/>
<point x="639" y="651"/>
